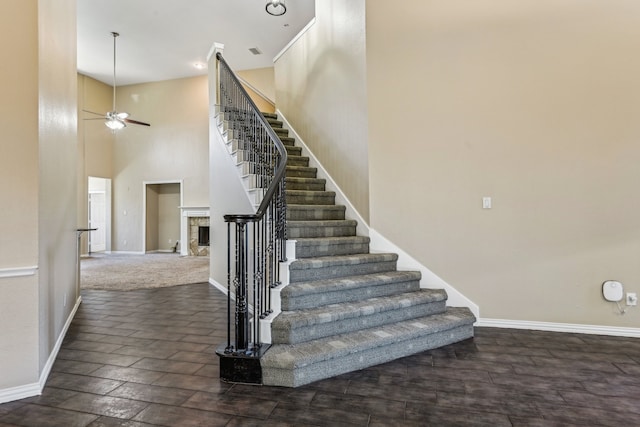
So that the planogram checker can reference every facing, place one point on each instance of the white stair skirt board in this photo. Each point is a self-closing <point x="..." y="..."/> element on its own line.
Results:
<point x="560" y="327"/>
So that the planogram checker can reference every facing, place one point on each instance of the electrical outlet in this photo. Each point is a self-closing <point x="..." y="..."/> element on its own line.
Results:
<point x="632" y="298"/>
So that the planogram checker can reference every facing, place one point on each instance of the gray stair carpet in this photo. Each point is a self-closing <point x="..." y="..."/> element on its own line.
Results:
<point x="345" y="308"/>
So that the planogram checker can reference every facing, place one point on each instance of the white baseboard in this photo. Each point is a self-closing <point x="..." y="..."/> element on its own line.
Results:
<point x="560" y="327"/>
<point x="35" y="389"/>
<point x="128" y="252"/>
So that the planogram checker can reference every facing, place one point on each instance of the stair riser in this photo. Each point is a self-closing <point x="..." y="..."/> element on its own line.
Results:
<point x="308" y="333"/>
<point x="305" y="186"/>
<point x="294" y="232"/>
<point x="326" y="298"/>
<point x="303" y="251"/>
<point x="313" y="198"/>
<point x="295" y="213"/>
<point x="364" y="359"/>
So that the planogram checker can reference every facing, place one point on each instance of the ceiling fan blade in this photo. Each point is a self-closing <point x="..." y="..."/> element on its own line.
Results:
<point x="93" y="112"/>
<point x="136" y="122"/>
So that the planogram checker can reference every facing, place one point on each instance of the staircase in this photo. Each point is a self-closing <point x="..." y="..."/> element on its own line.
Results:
<point x="345" y="308"/>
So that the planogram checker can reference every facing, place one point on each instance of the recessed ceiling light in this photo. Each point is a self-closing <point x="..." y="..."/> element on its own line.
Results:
<point x="255" y="51"/>
<point x="200" y="65"/>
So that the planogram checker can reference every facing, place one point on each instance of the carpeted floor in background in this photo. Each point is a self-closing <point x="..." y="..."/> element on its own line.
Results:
<point x="128" y="272"/>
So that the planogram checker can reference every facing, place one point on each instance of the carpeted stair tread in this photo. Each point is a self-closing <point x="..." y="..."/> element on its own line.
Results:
<point x="305" y="197"/>
<point x="307" y="184"/>
<point x="298" y="160"/>
<point x="293" y="151"/>
<point x="314" y="212"/>
<point x="269" y="115"/>
<point x="292" y="365"/>
<point x="321" y="228"/>
<point x="316" y="293"/>
<point x="287" y="140"/>
<point x="301" y="172"/>
<point x="329" y="246"/>
<point x="307" y="269"/>
<point x="292" y="327"/>
<point x="275" y="123"/>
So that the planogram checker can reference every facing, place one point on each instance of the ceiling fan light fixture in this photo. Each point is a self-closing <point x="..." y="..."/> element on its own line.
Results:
<point x="115" y="124"/>
<point x="276" y="7"/>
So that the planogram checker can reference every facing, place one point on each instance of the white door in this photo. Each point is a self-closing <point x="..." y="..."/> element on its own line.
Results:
<point x="97" y="219"/>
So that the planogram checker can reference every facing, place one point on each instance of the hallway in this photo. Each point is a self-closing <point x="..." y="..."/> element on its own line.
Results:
<point x="147" y="357"/>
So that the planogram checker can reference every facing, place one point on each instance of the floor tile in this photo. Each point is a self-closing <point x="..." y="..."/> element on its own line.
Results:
<point x="146" y="357"/>
<point x="82" y="383"/>
<point x="153" y="394"/>
<point x="181" y="417"/>
<point x="44" y="416"/>
<point x="104" y="405"/>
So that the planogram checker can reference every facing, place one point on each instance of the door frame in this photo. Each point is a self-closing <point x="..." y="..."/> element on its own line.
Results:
<point x="144" y="205"/>
<point x="108" y="214"/>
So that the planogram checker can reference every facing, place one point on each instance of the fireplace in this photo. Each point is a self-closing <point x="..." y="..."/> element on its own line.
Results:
<point x="195" y="234"/>
<point x="203" y="235"/>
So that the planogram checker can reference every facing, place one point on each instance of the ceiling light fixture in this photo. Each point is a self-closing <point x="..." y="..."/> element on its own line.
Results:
<point x="200" y="65"/>
<point x="276" y="7"/>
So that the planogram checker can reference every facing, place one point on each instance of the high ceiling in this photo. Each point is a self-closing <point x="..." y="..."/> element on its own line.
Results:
<point x="163" y="39"/>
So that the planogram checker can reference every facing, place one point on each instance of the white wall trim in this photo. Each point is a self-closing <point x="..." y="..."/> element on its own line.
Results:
<point x="219" y="286"/>
<point x="6" y="273"/>
<point x="35" y="389"/>
<point x="560" y="327"/>
<point x="128" y="252"/>
<point x="295" y="39"/>
<point x="20" y="392"/>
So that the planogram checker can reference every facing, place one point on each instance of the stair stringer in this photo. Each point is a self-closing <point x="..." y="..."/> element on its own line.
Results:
<point x="378" y="243"/>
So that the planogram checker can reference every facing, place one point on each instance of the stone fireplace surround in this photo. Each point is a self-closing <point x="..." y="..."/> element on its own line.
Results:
<point x="192" y="217"/>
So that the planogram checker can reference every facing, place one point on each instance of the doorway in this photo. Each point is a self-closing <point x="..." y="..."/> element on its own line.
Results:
<point x="162" y="201"/>
<point x="99" y="214"/>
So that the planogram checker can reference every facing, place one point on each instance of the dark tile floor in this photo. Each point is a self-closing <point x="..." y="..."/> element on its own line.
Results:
<point x="148" y="358"/>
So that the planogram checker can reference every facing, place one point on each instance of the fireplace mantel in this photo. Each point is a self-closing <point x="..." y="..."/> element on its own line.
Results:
<point x="187" y="212"/>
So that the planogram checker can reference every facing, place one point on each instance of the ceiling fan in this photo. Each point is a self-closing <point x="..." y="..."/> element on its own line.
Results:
<point x="114" y="119"/>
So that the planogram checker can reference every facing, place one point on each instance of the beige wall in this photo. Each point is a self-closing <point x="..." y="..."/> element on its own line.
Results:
<point x="174" y="148"/>
<point x="58" y="174"/>
<point x="321" y="89"/>
<point x="263" y="81"/>
<point x="39" y="159"/>
<point x="534" y="103"/>
<point x="19" y="192"/>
